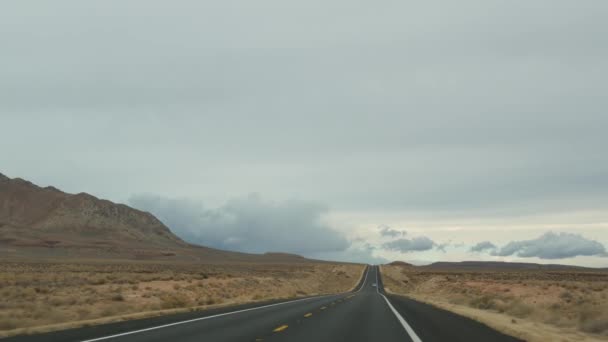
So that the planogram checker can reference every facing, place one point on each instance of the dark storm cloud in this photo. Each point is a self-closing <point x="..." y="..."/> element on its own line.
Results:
<point x="483" y="246"/>
<point x="553" y="246"/>
<point x="416" y="244"/>
<point x="248" y="224"/>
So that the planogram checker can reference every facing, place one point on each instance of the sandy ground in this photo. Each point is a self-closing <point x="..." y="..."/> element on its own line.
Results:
<point x="532" y="305"/>
<point x="40" y="297"/>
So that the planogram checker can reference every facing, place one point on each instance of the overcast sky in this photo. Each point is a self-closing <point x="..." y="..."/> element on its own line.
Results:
<point x="352" y="130"/>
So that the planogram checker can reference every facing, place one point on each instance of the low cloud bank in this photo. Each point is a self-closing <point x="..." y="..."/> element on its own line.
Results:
<point x="483" y="246"/>
<point x="553" y="246"/>
<point x="417" y="244"/>
<point x="248" y="224"/>
<point x="548" y="246"/>
<point x="355" y="253"/>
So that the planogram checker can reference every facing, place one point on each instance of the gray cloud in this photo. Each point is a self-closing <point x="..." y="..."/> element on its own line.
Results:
<point x="495" y="104"/>
<point x="469" y="110"/>
<point x="416" y="244"/>
<point x="553" y="246"/>
<point x="483" y="246"/>
<point x="248" y="224"/>
<point x="355" y="253"/>
<point x="443" y="246"/>
<point x="390" y="232"/>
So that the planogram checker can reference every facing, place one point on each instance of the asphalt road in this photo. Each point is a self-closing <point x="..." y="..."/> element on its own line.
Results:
<point x="367" y="314"/>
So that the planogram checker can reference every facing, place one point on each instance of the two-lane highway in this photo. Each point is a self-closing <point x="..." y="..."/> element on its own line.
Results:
<point x="366" y="314"/>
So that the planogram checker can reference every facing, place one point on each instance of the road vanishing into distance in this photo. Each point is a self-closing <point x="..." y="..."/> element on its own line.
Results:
<point x="366" y="314"/>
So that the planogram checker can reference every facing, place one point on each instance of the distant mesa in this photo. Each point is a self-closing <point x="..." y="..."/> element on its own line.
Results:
<point x="41" y="222"/>
<point x="499" y="265"/>
<point x="492" y="266"/>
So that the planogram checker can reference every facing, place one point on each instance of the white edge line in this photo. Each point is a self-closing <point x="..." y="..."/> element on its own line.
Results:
<point x="214" y="316"/>
<point x="403" y="322"/>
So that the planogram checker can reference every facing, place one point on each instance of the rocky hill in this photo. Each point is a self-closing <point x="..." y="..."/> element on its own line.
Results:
<point x="31" y="216"/>
<point x="40" y="222"/>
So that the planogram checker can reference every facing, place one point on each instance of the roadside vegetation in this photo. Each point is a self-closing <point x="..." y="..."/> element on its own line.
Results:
<point x="533" y="305"/>
<point x="40" y="297"/>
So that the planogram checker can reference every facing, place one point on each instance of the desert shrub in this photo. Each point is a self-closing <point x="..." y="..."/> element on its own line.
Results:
<point x="458" y="300"/>
<point x="57" y="316"/>
<point x="593" y="320"/>
<point x="214" y="300"/>
<point x="484" y="302"/>
<point x="27" y="293"/>
<point x="57" y="301"/>
<point x="174" y="300"/>
<point x="42" y="290"/>
<point x="97" y="281"/>
<point x="117" y="297"/>
<point x="518" y="309"/>
<point x="8" y="323"/>
<point x="566" y="295"/>
<point x="83" y="313"/>
<point x="110" y="311"/>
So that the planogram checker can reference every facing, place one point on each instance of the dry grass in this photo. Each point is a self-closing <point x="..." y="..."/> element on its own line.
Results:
<point x="568" y="303"/>
<point x="37" y="294"/>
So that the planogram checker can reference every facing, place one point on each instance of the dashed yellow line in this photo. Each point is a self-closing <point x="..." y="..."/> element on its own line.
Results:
<point x="308" y="314"/>
<point x="281" y="328"/>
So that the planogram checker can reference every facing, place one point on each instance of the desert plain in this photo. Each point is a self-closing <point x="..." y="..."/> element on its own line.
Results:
<point x="40" y="297"/>
<point x="532" y="304"/>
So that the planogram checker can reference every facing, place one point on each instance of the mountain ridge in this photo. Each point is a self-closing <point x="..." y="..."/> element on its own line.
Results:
<point x="502" y="265"/>
<point x="46" y="221"/>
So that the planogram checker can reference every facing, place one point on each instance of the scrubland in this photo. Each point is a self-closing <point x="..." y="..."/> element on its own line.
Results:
<point x="533" y="305"/>
<point x="37" y="297"/>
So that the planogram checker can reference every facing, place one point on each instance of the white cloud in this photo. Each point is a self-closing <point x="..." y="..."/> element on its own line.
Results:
<point x="553" y="246"/>
<point x="248" y="224"/>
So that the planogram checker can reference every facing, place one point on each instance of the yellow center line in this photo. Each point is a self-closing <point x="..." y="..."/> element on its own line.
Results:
<point x="281" y="328"/>
<point x="308" y="314"/>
